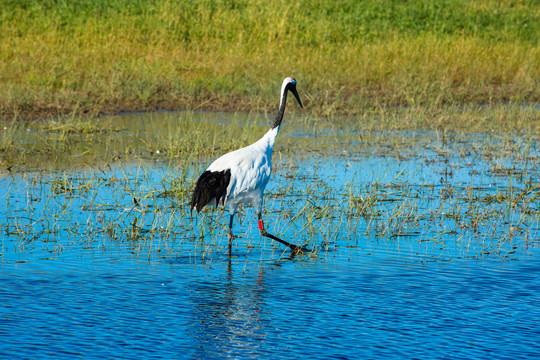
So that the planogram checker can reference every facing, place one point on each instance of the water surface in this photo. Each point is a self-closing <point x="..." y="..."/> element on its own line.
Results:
<point x="425" y="248"/>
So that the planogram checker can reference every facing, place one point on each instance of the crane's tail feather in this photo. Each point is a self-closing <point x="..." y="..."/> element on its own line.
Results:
<point x="211" y="185"/>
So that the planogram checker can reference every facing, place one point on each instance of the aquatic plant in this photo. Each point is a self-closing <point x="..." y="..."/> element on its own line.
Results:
<point x="337" y="187"/>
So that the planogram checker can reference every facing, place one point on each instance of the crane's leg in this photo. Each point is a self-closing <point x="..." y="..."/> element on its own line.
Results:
<point x="295" y="249"/>
<point x="230" y="235"/>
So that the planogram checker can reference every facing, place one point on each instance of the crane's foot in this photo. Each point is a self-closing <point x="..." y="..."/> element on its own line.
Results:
<point x="295" y="249"/>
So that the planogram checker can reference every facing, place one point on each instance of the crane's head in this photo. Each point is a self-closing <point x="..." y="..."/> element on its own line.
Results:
<point x="289" y="84"/>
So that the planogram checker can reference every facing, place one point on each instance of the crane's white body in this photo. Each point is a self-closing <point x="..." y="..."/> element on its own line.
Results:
<point x="241" y="176"/>
<point x="251" y="168"/>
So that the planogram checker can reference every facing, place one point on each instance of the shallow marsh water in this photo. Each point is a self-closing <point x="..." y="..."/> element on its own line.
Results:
<point x="426" y="245"/>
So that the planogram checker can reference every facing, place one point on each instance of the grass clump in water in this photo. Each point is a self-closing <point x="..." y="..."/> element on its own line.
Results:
<point x="439" y="194"/>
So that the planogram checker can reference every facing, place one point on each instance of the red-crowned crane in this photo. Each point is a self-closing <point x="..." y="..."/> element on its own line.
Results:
<point x="240" y="176"/>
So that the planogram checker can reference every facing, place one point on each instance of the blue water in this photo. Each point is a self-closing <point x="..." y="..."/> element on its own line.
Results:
<point x="340" y="308"/>
<point x="76" y="283"/>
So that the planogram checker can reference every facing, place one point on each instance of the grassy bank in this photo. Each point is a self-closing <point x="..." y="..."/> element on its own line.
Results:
<point x="348" y="56"/>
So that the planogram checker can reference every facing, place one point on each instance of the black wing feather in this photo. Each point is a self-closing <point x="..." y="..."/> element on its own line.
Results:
<point x="211" y="185"/>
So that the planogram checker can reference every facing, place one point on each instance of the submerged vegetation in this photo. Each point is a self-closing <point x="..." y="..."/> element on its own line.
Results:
<point x="427" y="110"/>
<point x="338" y="187"/>
<point x="351" y="56"/>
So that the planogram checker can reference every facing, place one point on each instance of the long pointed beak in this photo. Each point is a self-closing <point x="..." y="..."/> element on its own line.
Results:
<point x="295" y="93"/>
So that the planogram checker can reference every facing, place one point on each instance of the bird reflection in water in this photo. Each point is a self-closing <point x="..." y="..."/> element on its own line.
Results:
<point x="227" y="316"/>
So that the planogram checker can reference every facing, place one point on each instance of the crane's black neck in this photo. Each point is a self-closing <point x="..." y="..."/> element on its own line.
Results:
<point x="279" y="116"/>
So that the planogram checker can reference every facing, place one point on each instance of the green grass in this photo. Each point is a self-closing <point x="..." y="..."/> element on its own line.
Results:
<point x="349" y="56"/>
